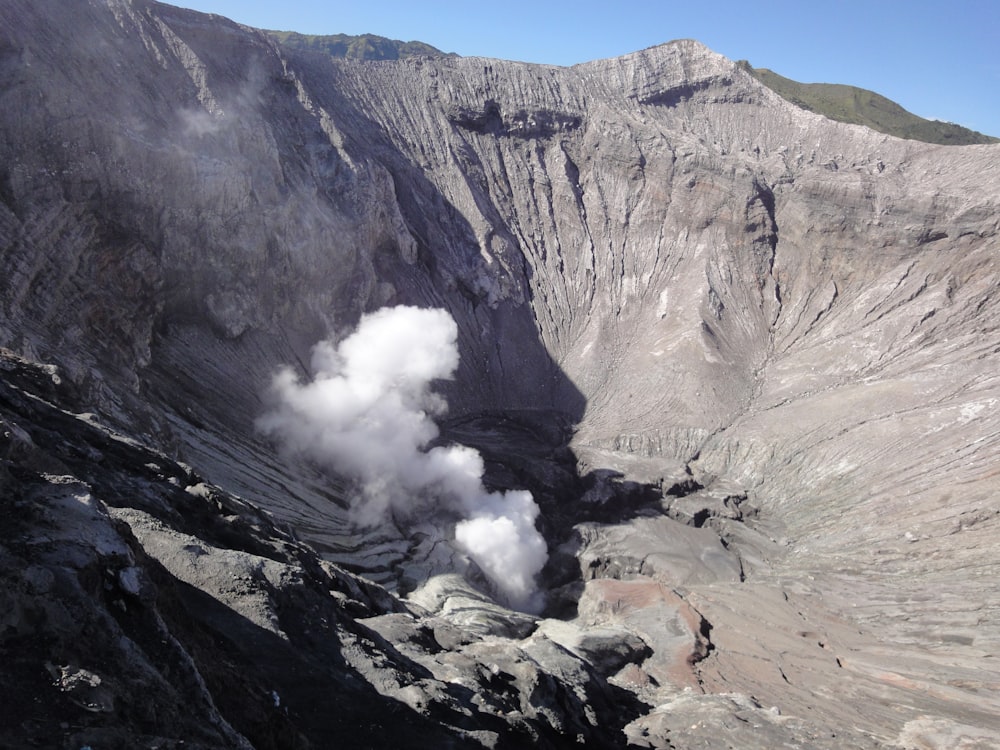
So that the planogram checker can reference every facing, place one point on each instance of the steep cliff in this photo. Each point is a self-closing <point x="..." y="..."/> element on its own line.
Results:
<point x="744" y="356"/>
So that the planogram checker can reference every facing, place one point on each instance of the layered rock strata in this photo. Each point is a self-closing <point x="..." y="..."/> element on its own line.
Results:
<point x="743" y="355"/>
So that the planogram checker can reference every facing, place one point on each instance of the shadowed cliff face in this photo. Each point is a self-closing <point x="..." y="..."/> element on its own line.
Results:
<point x="744" y="357"/>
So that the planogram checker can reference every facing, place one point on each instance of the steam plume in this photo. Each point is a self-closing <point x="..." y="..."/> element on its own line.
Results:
<point x="367" y="413"/>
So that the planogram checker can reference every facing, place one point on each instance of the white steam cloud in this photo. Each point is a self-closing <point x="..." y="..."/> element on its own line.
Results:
<point x="367" y="413"/>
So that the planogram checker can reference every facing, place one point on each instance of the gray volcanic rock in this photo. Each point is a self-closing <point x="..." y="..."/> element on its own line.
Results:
<point x="744" y="357"/>
<point x="145" y="607"/>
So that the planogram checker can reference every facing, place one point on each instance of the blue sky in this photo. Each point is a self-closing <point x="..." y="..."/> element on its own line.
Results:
<point x="937" y="59"/>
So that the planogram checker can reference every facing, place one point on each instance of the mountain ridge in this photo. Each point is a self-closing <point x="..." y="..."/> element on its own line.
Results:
<point x="841" y="102"/>
<point x="743" y="356"/>
<point x="356" y="46"/>
<point x="862" y="107"/>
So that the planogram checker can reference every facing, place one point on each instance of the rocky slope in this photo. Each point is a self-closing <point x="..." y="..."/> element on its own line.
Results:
<point x="743" y="356"/>
<point x="863" y="107"/>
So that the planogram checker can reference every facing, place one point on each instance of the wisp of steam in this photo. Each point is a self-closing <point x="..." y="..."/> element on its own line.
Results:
<point x="368" y="413"/>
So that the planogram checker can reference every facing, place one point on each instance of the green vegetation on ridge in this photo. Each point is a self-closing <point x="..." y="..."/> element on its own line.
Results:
<point x="837" y="101"/>
<point x="862" y="107"/>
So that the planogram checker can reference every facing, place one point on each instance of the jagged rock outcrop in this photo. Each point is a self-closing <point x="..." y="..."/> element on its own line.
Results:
<point x="744" y="356"/>
<point x="143" y="606"/>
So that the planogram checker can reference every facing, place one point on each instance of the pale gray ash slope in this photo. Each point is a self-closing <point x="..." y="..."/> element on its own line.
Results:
<point x="744" y="356"/>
